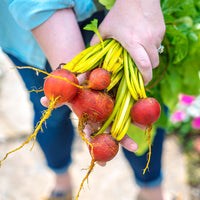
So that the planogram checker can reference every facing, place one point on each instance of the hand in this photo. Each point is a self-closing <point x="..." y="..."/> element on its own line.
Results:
<point x="139" y="27"/>
<point x="126" y="142"/>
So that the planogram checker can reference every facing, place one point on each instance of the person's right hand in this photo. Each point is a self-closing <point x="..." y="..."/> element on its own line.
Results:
<point x="139" y="27"/>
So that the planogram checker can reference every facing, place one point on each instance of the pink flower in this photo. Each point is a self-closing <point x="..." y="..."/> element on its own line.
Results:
<point x="196" y="123"/>
<point x="186" y="99"/>
<point x="197" y="144"/>
<point x="178" y="116"/>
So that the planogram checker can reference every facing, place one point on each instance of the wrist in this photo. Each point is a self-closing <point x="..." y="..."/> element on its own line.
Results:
<point x="59" y="37"/>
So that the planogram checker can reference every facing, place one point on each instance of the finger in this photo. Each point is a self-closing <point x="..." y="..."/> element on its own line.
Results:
<point x="153" y="55"/>
<point x="129" y="144"/>
<point x="151" y="45"/>
<point x="102" y="164"/>
<point x="82" y="78"/>
<point x="143" y="127"/>
<point x="142" y="61"/>
<point x="88" y="131"/>
<point x="44" y="101"/>
<point x="108" y="130"/>
<point x="90" y="128"/>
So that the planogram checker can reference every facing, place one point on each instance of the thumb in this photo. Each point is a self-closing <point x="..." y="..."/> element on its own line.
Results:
<point x="129" y="144"/>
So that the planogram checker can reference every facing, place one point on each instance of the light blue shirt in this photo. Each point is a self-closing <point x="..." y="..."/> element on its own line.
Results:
<point x="18" y="17"/>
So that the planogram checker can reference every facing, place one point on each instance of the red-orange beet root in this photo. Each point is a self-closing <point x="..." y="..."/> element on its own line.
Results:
<point x="105" y="147"/>
<point x="96" y="105"/>
<point x="55" y="87"/>
<point x="146" y="111"/>
<point x="99" y="79"/>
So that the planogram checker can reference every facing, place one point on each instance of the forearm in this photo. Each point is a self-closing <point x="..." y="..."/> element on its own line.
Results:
<point x="59" y="37"/>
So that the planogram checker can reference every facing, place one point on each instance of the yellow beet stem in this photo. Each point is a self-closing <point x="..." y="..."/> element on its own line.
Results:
<point x="45" y="116"/>
<point x="119" y="97"/>
<point x="142" y="85"/>
<point x="109" y="56"/>
<point x="102" y="44"/>
<point x="92" y="62"/>
<point x="125" y="129"/>
<point x="115" y="79"/>
<point x="117" y="124"/>
<point x="84" y="55"/>
<point x="70" y="65"/>
<point x="44" y="72"/>
<point x="137" y="78"/>
<point x="122" y="88"/>
<point x="134" y="79"/>
<point x="126" y="72"/>
<point x="118" y="66"/>
<point x="93" y="51"/>
<point x="115" y="58"/>
<point x="122" y="115"/>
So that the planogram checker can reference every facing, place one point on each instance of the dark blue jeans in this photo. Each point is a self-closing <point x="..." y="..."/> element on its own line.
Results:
<point x="153" y="176"/>
<point x="57" y="136"/>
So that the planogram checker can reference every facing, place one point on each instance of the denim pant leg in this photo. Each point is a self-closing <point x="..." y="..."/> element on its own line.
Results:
<point x="57" y="136"/>
<point x="153" y="176"/>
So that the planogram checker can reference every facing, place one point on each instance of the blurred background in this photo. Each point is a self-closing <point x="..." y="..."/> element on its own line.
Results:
<point x="24" y="175"/>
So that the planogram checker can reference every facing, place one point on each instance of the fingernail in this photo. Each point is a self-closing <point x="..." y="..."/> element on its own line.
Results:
<point x="134" y="147"/>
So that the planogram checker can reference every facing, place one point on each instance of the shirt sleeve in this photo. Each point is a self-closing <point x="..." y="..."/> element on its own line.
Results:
<point x="31" y="13"/>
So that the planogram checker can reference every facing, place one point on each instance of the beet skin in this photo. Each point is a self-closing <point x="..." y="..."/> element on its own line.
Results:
<point x="96" y="105"/>
<point x="146" y="111"/>
<point x="105" y="147"/>
<point x="55" y="87"/>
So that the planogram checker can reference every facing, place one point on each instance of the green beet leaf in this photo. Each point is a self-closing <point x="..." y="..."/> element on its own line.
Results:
<point x="107" y="3"/>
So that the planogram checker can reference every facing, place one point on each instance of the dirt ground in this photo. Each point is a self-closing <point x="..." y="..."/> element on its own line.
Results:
<point x="24" y="175"/>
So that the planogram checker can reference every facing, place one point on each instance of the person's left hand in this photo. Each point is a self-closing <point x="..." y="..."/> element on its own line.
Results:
<point x="126" y="142"/>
